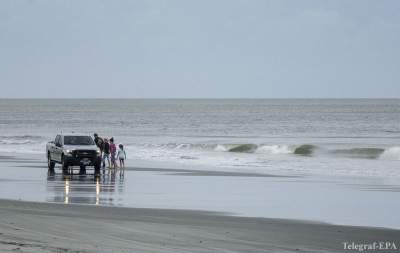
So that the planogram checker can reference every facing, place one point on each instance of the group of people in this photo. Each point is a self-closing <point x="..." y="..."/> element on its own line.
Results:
<point x="110" y="153"/>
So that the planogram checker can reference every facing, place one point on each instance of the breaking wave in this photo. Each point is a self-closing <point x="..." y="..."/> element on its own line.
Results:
<point x="253" y="148"/>
<point x="305" y="150"/>
<point x="392" y="153"/>
<point x="244" y="148"/>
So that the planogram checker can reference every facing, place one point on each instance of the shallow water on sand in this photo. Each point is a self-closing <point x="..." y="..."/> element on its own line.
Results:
<point x="350" y="201"/>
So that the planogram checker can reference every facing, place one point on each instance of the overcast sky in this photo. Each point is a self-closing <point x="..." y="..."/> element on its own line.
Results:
<point x="199" y="49"/>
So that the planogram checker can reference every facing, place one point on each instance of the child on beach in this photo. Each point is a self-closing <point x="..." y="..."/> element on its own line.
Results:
<point x="121" y="156"/>
<point x="113" y="151"/>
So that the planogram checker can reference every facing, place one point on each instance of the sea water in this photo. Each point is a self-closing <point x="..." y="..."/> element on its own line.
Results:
<point x="356" y="137"/>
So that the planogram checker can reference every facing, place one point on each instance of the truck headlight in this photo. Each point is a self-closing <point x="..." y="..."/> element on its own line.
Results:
<point x="98" y="152"/>
<point x="68" y="152"/>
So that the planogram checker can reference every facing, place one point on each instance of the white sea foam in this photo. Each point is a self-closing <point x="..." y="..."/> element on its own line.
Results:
<point x="392" y="153"/>
<point x="274" y="149"/>
<point x="221" y="148"/>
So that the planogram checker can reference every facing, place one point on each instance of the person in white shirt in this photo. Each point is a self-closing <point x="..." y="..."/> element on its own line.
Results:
<point x="121" y="156"/>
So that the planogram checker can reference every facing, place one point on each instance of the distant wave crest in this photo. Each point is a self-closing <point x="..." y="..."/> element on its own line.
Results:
<point x="392" y="153"/>
<point x="371" y="153"/>
<point x="244" y="148"/>
<point x="306" y="149"/>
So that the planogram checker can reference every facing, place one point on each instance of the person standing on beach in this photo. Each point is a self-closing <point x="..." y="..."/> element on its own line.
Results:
<point x="106" y="153"/>
<point x="113" y="151"/>
<point x="99" y="142"/>
<point x="121" y="157"/>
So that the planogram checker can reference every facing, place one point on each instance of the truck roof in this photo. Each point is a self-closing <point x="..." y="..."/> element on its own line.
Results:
<point x="74" y="134"/>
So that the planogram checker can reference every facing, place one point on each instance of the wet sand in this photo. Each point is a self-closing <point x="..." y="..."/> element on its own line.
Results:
<point x="47" y="227"/>
<point x="205" y="173"/>
<point x="356" y="202"/>
<point x="97" y="226"/>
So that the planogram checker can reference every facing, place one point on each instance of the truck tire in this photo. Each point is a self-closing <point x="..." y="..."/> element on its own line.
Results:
<point x="64" y="165"/>
<point x="50" y="163"/>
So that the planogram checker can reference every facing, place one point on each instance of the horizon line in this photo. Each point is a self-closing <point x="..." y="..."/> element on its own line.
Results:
<point x="200" y="98"/>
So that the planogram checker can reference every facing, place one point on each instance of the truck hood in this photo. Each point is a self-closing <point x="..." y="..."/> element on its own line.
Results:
<point x="81" y="147"/>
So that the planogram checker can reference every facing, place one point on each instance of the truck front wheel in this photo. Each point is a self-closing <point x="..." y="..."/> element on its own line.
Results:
<point x="50" y="163"/>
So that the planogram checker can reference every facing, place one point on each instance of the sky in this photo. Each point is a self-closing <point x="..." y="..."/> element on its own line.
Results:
<point x="199" y="49"/>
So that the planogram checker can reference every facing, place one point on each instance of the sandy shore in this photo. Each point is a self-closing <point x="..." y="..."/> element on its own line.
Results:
<point x="46" y="227"/>
<point x="49" y="227"/>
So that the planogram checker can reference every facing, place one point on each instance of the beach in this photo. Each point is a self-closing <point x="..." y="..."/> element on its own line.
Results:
<point x="87" y="215"/>
<point x="44" y="227"/>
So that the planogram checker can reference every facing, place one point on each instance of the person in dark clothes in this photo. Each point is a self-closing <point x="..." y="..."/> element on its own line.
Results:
<point x="106" y="153"/>
<point x="99" y="142"/>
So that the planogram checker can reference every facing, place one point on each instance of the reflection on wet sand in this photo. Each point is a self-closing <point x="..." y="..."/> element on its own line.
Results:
<point x="85" y="189"/>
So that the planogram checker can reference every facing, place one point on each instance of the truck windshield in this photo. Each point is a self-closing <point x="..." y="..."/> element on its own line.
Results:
<point x="78" y="140"/>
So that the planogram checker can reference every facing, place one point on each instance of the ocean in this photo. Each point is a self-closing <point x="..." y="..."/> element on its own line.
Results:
<point x="340" y="137"/>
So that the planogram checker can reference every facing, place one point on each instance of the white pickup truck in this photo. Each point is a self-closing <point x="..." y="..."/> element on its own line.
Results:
<point x="73" y="150"/>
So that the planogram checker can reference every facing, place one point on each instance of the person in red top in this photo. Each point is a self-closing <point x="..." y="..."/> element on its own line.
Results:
<point x="113" y="152"/>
